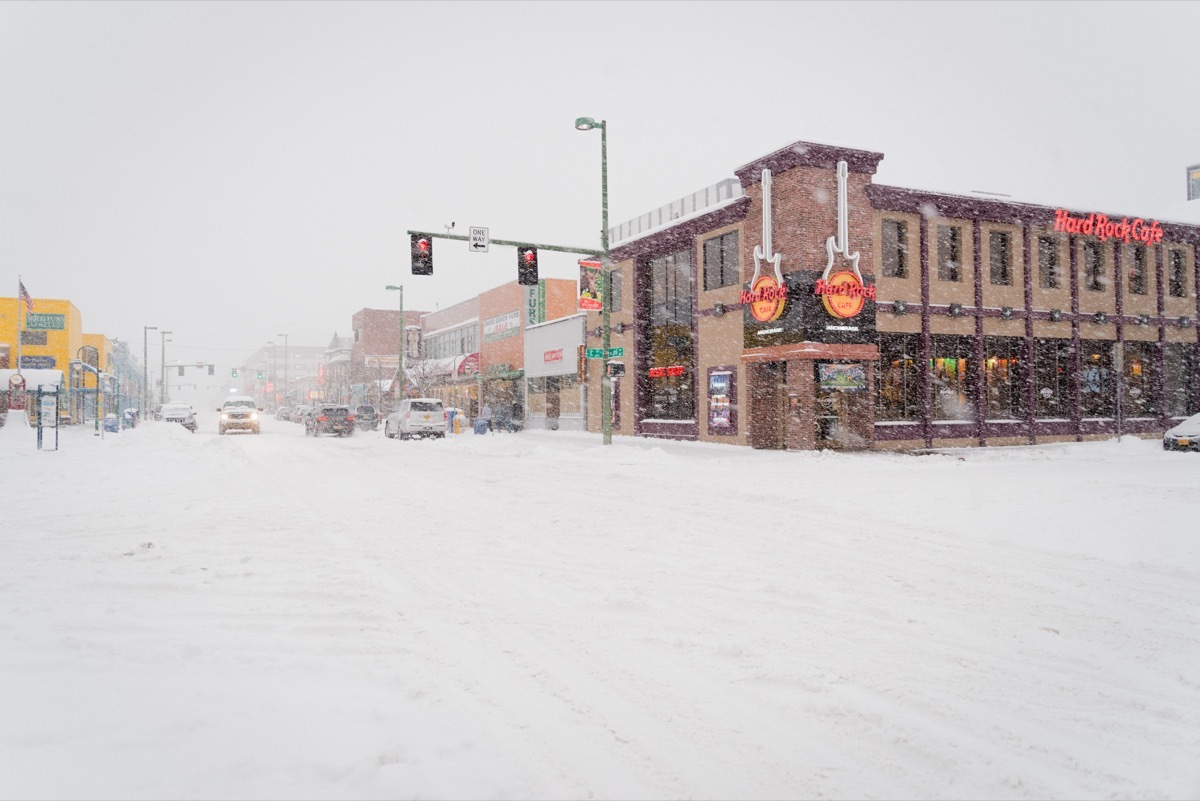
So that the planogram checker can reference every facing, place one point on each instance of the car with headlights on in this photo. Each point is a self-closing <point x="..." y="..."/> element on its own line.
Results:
<point x="239" y="413"/>
<point x="1183" y="437"/>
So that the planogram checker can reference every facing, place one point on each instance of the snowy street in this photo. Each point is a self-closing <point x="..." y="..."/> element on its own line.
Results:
<point x="538" y="616"/>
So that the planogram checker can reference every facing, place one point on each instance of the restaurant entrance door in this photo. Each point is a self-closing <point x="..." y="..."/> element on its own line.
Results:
<point x="768" y="405"/>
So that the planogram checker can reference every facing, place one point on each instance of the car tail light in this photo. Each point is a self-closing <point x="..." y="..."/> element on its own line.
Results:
<point x="349" y="418"/>
<point x="322" y="418"/>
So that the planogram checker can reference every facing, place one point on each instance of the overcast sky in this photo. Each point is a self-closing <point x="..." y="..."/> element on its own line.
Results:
<point x="235" y="170"/>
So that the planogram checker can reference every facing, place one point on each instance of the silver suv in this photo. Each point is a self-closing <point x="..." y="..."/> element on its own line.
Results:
<point x="239" y="413"/>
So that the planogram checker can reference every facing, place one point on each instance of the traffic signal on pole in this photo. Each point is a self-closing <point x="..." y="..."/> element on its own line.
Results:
<point x="210" y="369"/>
<point x="422" y="255"/>
<point x="260" y="375"/>
<point x="235" y="372"/>
<point x="527" y="266"/>
<point x="181" y="369"/>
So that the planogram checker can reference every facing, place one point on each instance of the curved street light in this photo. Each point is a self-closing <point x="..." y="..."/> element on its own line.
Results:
<point x="587" y="124"/>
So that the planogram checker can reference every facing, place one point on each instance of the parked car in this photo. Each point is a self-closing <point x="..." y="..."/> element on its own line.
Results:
<point x="283" y="413"/>
<point x="301" y="414"/>
<point x="416" y="417"/>
<point x="180" y="413"/>
<point x="1183" y="437"/>
<point x="366" y="417"/>
<point x="329" y="418"/>
<point x="239" y="413"/>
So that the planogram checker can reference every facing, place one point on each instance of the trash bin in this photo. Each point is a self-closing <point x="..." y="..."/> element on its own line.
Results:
<point x="481" y="426"/>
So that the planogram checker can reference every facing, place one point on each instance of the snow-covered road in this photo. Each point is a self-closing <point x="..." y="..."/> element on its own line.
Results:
<point x="539" y="616"/>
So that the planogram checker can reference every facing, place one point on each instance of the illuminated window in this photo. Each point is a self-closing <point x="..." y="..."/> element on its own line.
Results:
<point x="897" y="382"/>
<point x="952" y="378"/>
<point x="1003" y="374"/>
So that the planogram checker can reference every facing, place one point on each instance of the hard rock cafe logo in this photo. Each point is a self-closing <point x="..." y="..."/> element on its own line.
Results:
<point x="843" y="292"/>
<point x="767" y="296"/>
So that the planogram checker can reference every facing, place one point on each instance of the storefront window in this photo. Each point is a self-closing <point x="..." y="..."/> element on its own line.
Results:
<point x="952" y="378"/>
<point x="1052" y="371"/>
<point x="1003" y="371"/>
<point x="671" y="374"/>
<point x="897" y="380"/>
<point x="1182" y="397"/>
<point x="1141" y="380"/>
<point x="1096" y="384"/>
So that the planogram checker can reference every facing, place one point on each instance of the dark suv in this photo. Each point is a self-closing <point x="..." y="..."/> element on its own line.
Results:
<point x="365" y="417"/>
<point x="329" y="418"/>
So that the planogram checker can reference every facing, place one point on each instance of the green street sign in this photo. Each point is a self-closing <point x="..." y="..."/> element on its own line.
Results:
<point x="45" y="322"/>
<point x="595" y="353"/>
<point x="615" y="352"/>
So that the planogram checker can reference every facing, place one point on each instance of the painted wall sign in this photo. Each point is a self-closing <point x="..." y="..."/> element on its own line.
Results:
<point x="1102" y="227"/>
<point x="46" y="322"/>
<point x="555" y="355"/>
<point x="502" y="327"/>
<point x="844" y="293"/>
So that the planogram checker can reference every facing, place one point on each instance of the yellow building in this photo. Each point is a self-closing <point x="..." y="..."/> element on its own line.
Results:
<point x="53" y="334"/>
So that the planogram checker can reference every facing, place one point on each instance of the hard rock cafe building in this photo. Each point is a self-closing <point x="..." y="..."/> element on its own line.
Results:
<point x="805" y="306"/>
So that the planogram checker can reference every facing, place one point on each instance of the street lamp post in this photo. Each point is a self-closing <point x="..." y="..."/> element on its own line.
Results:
<point x="400" y="373"/>
<point x="587" y="124"/>
<point x="274" y="377"/>
<point x="285" y="367"/>
<point x="146" y="329"/>
<point x="162" y="390"/>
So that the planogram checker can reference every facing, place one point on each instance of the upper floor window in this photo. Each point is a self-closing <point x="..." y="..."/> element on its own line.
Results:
<point x="1137" y="270"/>
<point x="895" y="249"/>
<point x="671" y="290"/>
<point x="1000" y="257"/>
<point x="721" y="261"/>
<point x="949" y="255"/>
<point x="1093" y="267"/>
<point x="1048" y="277"/>
<point x="1176" y="275"/>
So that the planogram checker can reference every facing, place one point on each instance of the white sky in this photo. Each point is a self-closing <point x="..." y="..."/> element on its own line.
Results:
<point x="230" y="171"/>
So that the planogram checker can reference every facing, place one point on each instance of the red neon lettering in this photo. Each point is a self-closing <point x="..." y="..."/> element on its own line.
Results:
<point x="1104" y="228"/>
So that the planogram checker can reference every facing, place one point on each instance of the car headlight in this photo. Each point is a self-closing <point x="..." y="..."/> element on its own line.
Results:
<point x="224" y="416"/>
<point x="253" y="415"/>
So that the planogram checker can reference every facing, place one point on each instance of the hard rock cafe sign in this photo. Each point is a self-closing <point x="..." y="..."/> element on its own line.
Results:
<point x="843" y="292"/>
<point x="767" y="296"/>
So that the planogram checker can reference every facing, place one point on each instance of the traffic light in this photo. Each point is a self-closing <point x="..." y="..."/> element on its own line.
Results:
<point x="422" y="255"/>
<point x="210" y="369"/>
<point x="181" y="369"/>
<point x="260" y="375"/>
<point x="527" y="266"/>
<point x="235" y="372"/>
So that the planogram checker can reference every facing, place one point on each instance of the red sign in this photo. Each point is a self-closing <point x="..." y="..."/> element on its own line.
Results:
<point x="661" y="372"/>
<point x="844" y="294"/>
<point x="766" y="299"/>
<point x="1100" y="226"/>
<point x="555" y="355"/>
<point x="469" y="364"/>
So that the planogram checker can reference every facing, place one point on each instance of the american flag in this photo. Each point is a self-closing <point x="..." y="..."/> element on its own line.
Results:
<point x="25" y="297"/>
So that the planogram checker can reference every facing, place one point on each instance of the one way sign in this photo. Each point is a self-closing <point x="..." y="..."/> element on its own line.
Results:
<point x="479" y="240"/>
